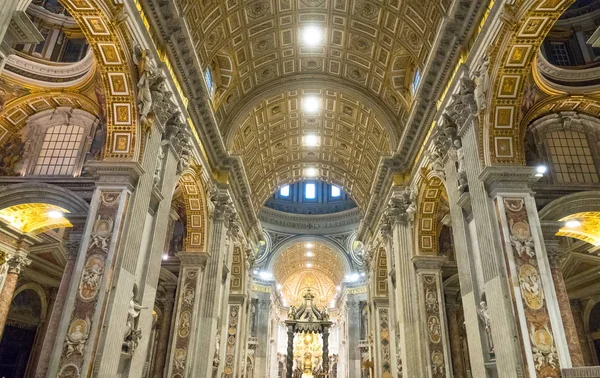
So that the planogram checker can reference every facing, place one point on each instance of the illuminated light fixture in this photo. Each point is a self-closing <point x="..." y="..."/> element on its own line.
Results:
<point x="311" y="104"/>
<point x="265" y="275"/>
<point x="573" y="223"/>
<point x="311" y="140"/>
<point x="541" y="170"/>
<point x="332" y="304"/>
<point x="309" y="245"/>
<point x="279" y="286"/>
<point x="311" y="35"/>
<point x="165" y="257"/>
<point x="255" y="271"/>
<point x="309" y="254"/>
<point x="55" y="214"/>
<point x="363" y="274"/>
<point x="310" y="172"/>
<point x="338" y="288"/>
<point x="309" y="265"/>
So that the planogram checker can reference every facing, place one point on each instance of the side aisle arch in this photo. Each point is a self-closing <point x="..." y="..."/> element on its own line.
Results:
<point x="114" y="65"/>
<point x="511" y="62"/>
<point x="427" y="231"/>
<point x="196" y="211"/>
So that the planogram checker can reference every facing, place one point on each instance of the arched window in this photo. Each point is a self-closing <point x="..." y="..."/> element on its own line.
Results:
<point x="416" y="81"/>
<point x="565" y="143"/>
<point x="57" y="141"/>
<point x="571" y="157"/>
<point x="60" y="150"/>
<point x="209" y="81"/>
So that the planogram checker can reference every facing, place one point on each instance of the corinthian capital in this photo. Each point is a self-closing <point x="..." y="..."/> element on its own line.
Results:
<point x="222" y="206"/>
<point x="16" y="263"/>
<point x="400" y="208"/>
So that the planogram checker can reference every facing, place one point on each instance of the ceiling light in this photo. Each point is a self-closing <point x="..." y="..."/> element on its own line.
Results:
<point x="311" y="104"/>
<point x="165" y="257"/>
<point x="311" y="35"/>
<point x="540" y="170"/>
<point x="309" y="245"/>
<point x="309" y="265"/>
<point x="338" y="288"/>
<point x="311" y="140"/>
<point x="255" y="271"/>
<point x="573" y="223"/>
<point x="310" y="172"/>
<point x="55" y="214"/>
<point x="279" y="286"/>
<point x="309" y="254"/>
<point x="363" y="274"/>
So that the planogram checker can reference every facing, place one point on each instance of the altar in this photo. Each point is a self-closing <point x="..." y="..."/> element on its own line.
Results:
<point x="308" y="340"/>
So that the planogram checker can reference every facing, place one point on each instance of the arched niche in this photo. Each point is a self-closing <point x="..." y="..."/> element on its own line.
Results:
<point x="431" y="209"/>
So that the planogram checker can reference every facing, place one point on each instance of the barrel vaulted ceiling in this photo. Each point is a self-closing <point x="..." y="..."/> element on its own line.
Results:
<point x="362" y="69"/>
<point x="352" y="138"/>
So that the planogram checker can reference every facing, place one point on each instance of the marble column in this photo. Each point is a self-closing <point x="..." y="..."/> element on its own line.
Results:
<point x="6" y="13"/>
<point x="233" y="341"/>
<point x="183" y="330"/>
<point x="555" y="257"/>
<point x="16" y="262"/>
<point x="164" y="333"/>
<point x="491" y="267"/>
<point x="400" y="244"/>
<point x="584" y="338"/>
<point x="452" y="308"/>
<point x="211" y="292"/>
<point x="470" y="273"/>
<point x="535" y="304"/>
<point x="71" y="248"/>
<point x="433" y="320"/>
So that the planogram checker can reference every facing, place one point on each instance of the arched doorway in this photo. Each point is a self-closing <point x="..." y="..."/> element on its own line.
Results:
<point x="21" y="333"/>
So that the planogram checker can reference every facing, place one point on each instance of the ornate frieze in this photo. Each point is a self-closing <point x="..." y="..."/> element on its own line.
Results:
<point x="434" y="321"/>
<point x="384" y="339"/>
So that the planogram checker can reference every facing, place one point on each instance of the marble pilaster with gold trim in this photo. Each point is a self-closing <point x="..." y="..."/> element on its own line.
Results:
<point x="433" y="316"/>
<point x="80" y="327"/>
<point x="186" y="314"/>
<point x="541" y="333"/>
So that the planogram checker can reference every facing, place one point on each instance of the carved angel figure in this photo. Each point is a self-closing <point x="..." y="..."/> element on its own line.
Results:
<point x="101" y="233"/>
<point x="523" y="245"/>
<point x="482" y="80"/>
<point x="146" y="71"/>
<point x="76" y="340"/>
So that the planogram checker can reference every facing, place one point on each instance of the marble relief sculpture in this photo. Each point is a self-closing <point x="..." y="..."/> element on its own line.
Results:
<point x="132" y="333"/>
<point x="77" y="336"/>
<point x="92" y="277"/>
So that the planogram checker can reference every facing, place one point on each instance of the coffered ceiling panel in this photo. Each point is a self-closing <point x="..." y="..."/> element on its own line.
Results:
<point x="375" y="45"/>
<point x="271" y="140"/>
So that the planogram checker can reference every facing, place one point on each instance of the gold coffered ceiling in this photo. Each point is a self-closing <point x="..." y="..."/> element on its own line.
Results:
<point x="362" y="70"/>
<point x="322" y="277"/>
<point x="352" y="140"/>
<point x="372" y="44"/>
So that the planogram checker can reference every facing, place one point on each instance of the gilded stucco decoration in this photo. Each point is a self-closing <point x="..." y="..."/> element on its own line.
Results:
<point x="238" y="270"/>
<point x="325" y="272"/>
<point x="34" y="217"/>
<point x="196" y="211"/>
<point x="373" y="45"/>
<point x="381" y="273"/>
<point x="431" y="209"/>
<point x="14" y="115"/>
<point x="526" y="26"/>
<point x="352" y="140"/>
<point x="588" y="229"/>
<point x="556" y="104"/>
<point x="113" y="56"/>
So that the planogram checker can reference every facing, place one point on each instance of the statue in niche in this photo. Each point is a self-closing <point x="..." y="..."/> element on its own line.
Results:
<point x="216" y="357"/>
<point x="133" y="334"/>
<point x="484" y="316"/>
<point x="11" y="156"/>
<point x="482" y="80"/>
